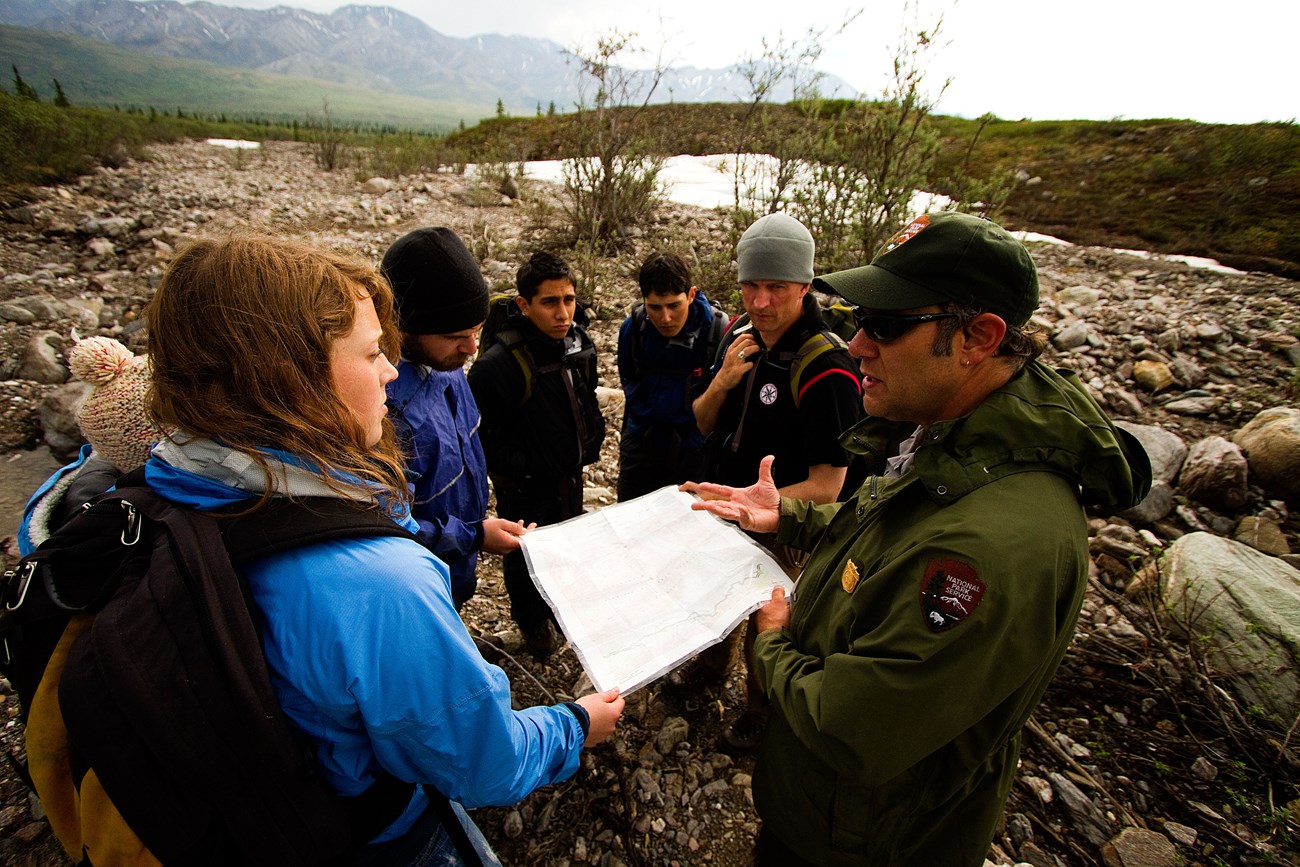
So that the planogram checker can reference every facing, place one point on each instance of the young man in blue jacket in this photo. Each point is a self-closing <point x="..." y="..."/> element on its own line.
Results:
<point x="665" y="348"/>
<point x="442" y="301"/>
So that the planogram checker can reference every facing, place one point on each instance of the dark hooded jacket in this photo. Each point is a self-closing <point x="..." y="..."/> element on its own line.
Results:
<point x="537" y="397"/>
<point x="931" y="614"/>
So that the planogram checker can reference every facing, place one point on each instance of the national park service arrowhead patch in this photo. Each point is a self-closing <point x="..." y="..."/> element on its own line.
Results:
<point x="849" y="577"/>
<point x="905" y="234"/>
<point x="950" y="591"/>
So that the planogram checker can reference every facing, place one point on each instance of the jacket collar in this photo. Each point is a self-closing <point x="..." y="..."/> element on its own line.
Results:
<point x="1043" y="420"/>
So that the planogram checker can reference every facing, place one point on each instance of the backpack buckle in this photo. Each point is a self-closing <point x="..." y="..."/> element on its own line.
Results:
<point x="131" y="532"/>
<point x="23" y="578"/>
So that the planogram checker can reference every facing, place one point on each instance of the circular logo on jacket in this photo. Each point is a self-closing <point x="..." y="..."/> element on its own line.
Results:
<point x="767" y="394"/>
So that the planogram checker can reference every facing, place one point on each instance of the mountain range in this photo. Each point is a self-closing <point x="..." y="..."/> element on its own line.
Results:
<point x="377" y="48"/>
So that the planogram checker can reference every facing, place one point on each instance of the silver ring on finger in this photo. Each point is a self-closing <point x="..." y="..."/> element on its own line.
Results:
<point x="741" y="355"/>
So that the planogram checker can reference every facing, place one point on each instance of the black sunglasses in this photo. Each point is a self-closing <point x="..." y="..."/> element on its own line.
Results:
<point x="884" y="327"/>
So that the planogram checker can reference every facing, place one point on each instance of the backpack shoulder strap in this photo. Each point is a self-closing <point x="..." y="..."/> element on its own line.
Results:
<point x="513" y="341"/>
<point x="716" y="332"/>
<point x="730" y="327"/>
<point x="283" y="523"/>
<point x="638" y="338"/>
<point x="815" y="346"/>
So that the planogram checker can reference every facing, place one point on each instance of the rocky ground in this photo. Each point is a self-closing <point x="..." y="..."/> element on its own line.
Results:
<point x="1137" y="755"/>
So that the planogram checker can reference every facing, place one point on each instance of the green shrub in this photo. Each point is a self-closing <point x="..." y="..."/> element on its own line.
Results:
<point x="612" y="182"/>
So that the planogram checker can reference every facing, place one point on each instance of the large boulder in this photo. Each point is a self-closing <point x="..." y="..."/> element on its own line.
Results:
<point x="1271" y="442"/>
<point x="1215" y="474"/>
<point x="1243" y="607"/>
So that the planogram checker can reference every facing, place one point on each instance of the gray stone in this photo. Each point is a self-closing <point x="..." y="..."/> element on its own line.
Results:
<point x="1166" y="450"/>
<point x="610" y="399"/>
<point x="1193" y="406"/>
<point x="1181" y="834"/>
<point x="646" y="785"/>
<point x="1120" y="549"/>
<point x="84" y="313"/>
<point x="674" y="731"/>
<point x="101" y="247"/>
<point x="1209" y="331"/>
<point x="1170" y="340"/>
<point x="1019" y="829"/>
<point x="17" y="315"/>
<point x="1087" y="817"/>
<point x="20" y="475"/>
<point x="1215" y="474"/>
<point x="11" y="816"/>
<point x="1155" y="506"/>
<point x="1079" y="296"/>
<point x="1071" y="336"/>
<point x="1188" y="372"/>
<point x="1031" y="853"/>
<point x="42" y="307"/>
<point x="1277" y="341"/>
<point x="1123" y="402"/>
<point x="58" y="417"/>
<point x="1204" y="769"/>
<point x="1244" y="608"/>
<point x="116" y="227"/>
<point x="42" y="360"/>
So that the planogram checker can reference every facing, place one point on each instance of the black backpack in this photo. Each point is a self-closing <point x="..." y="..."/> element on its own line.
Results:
<point x="133" y="615"/>
<point x="499" y="306"/>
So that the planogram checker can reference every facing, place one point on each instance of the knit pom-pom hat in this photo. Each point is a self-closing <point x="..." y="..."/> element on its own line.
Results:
<point x="112" y="417"/>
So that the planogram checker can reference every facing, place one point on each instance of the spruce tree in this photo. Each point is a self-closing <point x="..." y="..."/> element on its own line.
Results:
<point x="22" y="88"/>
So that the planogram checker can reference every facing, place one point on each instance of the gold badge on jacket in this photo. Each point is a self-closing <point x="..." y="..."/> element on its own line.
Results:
<point x="849" y="577"/>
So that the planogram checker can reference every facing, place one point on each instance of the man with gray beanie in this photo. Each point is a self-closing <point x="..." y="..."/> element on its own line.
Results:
<point x="783" y="385"/>
<point x="442" y="301"/>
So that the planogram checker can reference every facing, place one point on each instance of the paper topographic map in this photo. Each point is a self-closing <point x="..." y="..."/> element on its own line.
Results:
<point x="641" y="586"/>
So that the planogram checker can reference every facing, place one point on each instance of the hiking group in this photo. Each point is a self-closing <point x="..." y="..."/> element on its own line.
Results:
<point x="243" y="644"/>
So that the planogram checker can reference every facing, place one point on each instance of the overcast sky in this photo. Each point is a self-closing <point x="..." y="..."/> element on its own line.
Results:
<point x="1219" y="62"/>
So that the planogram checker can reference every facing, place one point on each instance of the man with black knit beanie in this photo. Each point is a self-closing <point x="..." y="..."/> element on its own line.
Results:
<point x="442" y="301"/>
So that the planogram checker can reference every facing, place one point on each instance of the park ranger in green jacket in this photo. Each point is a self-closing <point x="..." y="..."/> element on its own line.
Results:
<point x="938" y="601"/>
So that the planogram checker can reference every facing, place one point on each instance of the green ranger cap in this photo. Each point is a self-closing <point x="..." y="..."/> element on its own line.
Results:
<point x="944" y="257"/>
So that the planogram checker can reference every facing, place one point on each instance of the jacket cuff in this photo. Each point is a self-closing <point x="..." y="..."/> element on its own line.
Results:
<point x="584" y="719"/>
<point x="787" y="525"/>
<point x="478" y="536"/>
<point x="764" y="651"/>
